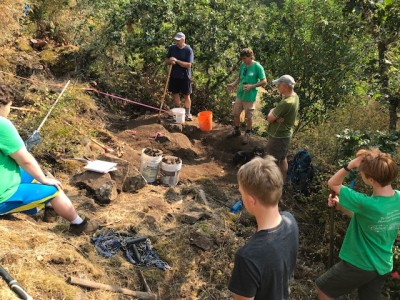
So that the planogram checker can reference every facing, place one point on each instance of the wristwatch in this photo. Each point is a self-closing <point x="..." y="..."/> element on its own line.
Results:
<point x="345" y="166"/>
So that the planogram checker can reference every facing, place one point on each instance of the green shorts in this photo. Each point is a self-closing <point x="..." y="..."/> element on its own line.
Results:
<point x="343" y="278"/>
<point x="278" y="147"/>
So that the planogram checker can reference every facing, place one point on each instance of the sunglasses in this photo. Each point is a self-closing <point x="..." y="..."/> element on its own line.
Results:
<point x="244" y="71"/>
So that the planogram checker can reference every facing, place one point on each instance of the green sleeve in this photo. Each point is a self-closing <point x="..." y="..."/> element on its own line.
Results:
<point x="351" y="199"/>
<point x="10" y="141"/>
<point x="261" y="72"/>
<point x="281" y="109"/>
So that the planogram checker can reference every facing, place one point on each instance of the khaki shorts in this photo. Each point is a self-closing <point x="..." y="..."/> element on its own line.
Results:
<point x="278" y="147"/>
<point x="343" y="278"/>
<point x="247" y="106"/>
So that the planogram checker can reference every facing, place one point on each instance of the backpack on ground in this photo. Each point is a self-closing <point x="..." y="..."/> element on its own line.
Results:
<point x="301" y="172"/>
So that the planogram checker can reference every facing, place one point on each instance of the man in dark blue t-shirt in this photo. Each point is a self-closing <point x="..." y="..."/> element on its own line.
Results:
<point x="265" y="264"/>
<point x="181" y="57"/>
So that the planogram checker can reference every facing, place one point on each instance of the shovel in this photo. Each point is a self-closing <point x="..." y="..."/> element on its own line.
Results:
<point x="331" y="231"/>
<point x="164" y="94"/>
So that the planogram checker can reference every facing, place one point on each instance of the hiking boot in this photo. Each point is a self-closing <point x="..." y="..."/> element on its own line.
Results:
<point x="235" y="132"/>
<point x="85" y="227"/>
<point x="189" y="117"/>
<point x="246" y="138"/>
<point x="50" y="215"/>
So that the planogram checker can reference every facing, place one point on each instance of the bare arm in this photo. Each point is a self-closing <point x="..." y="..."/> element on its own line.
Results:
<point x="272" y="118"/>
<point x="336" y="181"/>
<point x="173" y="61"/>
<point x="230" y="86"/>
<point x="27" y="162"/>
<point x="334" y="201"/>
<point x="262" y="82"/>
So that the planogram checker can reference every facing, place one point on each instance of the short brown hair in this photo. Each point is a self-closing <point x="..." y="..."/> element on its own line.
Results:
<point x="5" y="94"/>
<point x="246" y="52"/>
<point x="378" y="165"/>
<point x="262" y="179"/>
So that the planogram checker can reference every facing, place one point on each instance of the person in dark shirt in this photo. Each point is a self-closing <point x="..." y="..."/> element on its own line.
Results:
<point x="181" y="57"/>
<point x="265" y="264"/>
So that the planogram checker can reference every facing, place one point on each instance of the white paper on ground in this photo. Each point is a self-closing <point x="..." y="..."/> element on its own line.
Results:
<point x="101" y="166"/>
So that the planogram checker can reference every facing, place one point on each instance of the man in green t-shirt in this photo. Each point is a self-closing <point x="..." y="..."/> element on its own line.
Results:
<point x="282" y="120"/>
<point x="251" y="76"/>
<point x="367" y="250"/>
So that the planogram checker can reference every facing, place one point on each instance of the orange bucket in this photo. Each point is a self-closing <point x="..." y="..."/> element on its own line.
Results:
<point x="205" y="120"/>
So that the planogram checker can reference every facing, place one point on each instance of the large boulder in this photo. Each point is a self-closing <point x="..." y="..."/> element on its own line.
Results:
<point x="101" y="186"/>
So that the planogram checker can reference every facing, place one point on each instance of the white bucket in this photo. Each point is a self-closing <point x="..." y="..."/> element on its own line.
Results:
<point x="149" y="166"/>
<point x="169" y="173"/>
<point x="179" y="115"/>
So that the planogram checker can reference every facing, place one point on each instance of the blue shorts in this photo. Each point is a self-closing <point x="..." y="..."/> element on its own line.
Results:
<point x="180" y="86"/>
<point x="30" y="196"/>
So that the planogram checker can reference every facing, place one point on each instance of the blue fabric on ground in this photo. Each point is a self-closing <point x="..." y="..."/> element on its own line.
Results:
<point x="109" y="243"/>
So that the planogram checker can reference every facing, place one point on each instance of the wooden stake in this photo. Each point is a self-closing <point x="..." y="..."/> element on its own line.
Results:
<point x="144" y="281"/>
<point x="95" y="285"/>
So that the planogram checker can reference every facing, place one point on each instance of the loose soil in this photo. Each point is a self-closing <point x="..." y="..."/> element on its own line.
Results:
<point x="42" y="256"/>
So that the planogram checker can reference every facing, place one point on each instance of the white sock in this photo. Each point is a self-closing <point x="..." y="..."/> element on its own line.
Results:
<point x="78" y="220"/>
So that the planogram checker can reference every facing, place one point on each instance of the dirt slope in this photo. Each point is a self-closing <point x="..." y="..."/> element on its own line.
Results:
<point x="41" y="256"/>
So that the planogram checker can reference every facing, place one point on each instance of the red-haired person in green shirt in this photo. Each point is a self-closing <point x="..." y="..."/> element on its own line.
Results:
<point x="366" y="253"/>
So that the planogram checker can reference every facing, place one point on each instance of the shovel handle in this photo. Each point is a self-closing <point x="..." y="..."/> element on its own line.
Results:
<point x="331" y="231"/>
<point x="165" y="90"/>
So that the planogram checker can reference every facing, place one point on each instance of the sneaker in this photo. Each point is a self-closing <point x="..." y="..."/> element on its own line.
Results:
<point x="50" y="215"/>
<point x="246" y="138"/>
<point x="189" y="117"/>
<point x="235" y="132"/>
<point x="85" y="227"/>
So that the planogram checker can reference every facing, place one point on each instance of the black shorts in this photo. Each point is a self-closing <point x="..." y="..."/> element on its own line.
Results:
<point x="343" y="277"/>
<point x="180" y="86"/>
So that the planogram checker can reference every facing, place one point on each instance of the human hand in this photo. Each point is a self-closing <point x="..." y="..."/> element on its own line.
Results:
<point x="280" y="120"/>
<point x="247" y="87"/>
<point x="172" y="60"/>
<point x="54" y="182"/>
<point x="355" y="163"/>
<point x="332" y="200"/>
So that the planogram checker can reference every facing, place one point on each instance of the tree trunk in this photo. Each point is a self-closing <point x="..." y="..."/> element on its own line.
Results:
<point x="393" y="104"/>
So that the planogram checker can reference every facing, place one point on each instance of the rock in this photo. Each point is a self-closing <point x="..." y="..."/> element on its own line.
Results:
<point x="119" y="176"/>
<point x="201" y="240"/>
<point x="173" y="127"/>
<point x="134" y="181"/>
<point x="38" y="44"/>
<point x="172" y="195"/>
<point x="192" y="217"/>
<point x="101" y="186"/>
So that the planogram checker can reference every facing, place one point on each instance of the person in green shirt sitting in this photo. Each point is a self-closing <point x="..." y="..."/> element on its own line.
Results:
<point x="24" y="187"/>
<point x="367" y="250"/>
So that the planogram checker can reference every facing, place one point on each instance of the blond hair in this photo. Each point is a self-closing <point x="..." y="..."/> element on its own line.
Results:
<point x="262" y="179"/>
<point x="378" y="165"/>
